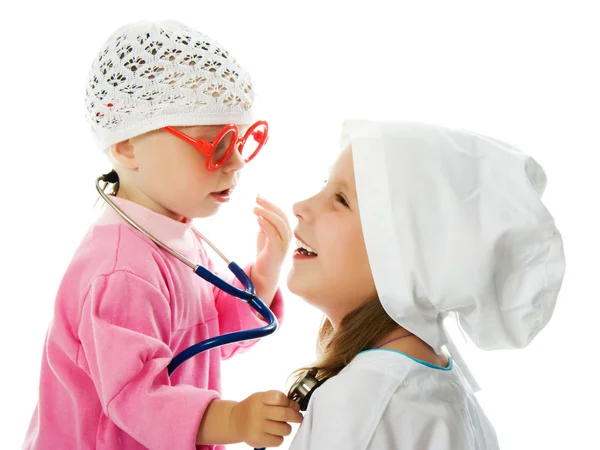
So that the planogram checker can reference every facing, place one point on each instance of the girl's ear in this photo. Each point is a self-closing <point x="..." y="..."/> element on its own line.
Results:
<point x="124" y="154"/>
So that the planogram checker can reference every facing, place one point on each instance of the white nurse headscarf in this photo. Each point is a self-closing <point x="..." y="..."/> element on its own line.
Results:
<point x="454" y="225"/>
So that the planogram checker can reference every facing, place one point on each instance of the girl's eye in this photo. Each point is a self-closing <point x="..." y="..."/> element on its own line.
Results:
<point x="341" y="199"/>
<point x="223" y="144"/>
<point x="221" y="148"/>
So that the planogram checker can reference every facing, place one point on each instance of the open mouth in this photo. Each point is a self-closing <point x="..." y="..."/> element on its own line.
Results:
<point x="304" y="250"/>
<point x="222" y="196"/>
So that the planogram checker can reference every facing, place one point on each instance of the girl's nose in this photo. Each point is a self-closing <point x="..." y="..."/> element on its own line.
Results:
<point x="235" y="161"/>
<point x="301" y="210"/>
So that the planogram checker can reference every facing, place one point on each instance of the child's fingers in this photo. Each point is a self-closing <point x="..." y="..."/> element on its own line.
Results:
<point x="268" y="228"/>
<point x="283" y="232"/>
<point x="284" y="414"/>
<point x="274" y="398"/>
<point x="278" y="428"/>
<point x="280" y="223"/>
<point x="273" y="207"/>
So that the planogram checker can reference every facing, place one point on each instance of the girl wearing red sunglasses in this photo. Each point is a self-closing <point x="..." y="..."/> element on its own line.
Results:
<point x="172" y="109"/>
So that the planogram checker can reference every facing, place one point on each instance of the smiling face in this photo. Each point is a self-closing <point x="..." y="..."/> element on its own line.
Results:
<point x="331" y="269"/>
<point x="168" y="175"/>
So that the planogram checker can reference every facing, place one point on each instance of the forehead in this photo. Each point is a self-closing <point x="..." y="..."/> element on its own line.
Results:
<point x="342" y="167"/>
<point x="342" y="171"/>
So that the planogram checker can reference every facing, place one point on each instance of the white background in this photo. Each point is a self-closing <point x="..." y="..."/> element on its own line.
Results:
<point x="524" y="72"/>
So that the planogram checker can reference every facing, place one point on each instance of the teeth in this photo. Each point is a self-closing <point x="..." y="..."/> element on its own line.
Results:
<point x="300" y="244"/>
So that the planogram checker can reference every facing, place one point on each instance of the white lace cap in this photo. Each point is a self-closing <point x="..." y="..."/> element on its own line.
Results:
<point x="149" y="75"/>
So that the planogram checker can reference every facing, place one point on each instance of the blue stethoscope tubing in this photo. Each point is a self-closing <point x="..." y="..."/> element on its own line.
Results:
<point x="248" y="294"/>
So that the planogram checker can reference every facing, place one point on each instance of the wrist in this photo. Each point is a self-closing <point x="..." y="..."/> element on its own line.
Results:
<point x="235" y="423"/>
<point x="265" y="286"/>
<point x="217" y="426"/>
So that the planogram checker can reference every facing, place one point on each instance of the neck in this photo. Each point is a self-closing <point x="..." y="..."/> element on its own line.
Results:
<point x="412" y="346"/>
<point x="394" y="336"/>
<point x="136" y="196"/>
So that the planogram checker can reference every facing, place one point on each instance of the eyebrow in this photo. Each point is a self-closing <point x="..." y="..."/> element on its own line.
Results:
<point x="209" y="132"/>
<point x="206" y="132"/>
<point x="343" y="184"/>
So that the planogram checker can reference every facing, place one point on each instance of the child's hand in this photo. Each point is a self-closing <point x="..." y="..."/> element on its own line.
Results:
<point x="272" y="245"/>
<point x="262" y="419"/>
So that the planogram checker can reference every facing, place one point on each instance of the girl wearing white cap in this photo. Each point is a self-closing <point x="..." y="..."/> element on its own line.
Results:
<point x="416" y="224"/>
<point x="173" y="110"/>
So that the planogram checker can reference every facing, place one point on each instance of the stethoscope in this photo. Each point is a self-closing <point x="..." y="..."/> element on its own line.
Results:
<point x="302" y="390"/>
<point x="248" y="294"/>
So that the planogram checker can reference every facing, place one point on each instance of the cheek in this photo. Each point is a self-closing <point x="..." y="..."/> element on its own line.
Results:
<point x="340" y="279"/>
<point x="187" y="164"/>
<point x="353" y="262"/>
<point x="181" y="167"/>
<point x="176" y="177"/>
<point x="344" y="247"/>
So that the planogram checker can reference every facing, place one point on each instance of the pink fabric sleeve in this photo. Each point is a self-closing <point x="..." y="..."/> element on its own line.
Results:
<point x="124" y="328"/>
<point x="236" y="314"/>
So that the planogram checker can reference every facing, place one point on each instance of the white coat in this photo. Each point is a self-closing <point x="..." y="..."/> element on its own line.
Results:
<point x="384" y="400"/>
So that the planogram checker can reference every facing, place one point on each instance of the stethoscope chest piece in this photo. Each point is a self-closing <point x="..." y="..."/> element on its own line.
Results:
<point x="303" y="389"/>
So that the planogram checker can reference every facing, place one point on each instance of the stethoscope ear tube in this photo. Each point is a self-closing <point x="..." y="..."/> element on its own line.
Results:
<point x="207" y="275"/>
<point x="248" y="295"/>
<point x="238" y="336"/>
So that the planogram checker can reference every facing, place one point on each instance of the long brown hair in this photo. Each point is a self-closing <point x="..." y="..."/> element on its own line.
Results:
<point x="336" y="347"/>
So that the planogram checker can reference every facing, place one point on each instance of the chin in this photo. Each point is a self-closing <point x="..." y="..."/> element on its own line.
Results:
<point x="292" y="283"/>
<point x="304" y="288"/>
<point x="299" y="284"/>
<point x="205" y="211"/>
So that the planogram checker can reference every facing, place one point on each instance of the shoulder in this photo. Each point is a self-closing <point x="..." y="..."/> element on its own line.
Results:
<point x="120" y="240"/>
<point x="432" y="408"/>
<point x="370" y="379"/>
<point x="370" y="371"/>
<point x="444" y="417"/>
<point x="117" y="248"/>
<point x="350" y="404"/>
<point x="380" y="397"/>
